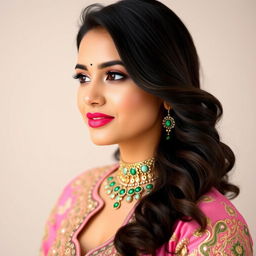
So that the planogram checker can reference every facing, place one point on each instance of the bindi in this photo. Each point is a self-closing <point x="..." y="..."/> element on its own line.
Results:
<point x="91" y="64"/>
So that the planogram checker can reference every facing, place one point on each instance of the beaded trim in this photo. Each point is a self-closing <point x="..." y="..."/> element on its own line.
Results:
<point x="76" y="208"/>
<point x="110" y="249"/>
<point x="70" y="249"/>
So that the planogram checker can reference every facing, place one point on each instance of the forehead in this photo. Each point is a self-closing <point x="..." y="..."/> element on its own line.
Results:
<point x="97" y="45"/>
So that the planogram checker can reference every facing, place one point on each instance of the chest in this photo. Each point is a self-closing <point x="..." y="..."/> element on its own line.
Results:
<point x="103" y="225"/>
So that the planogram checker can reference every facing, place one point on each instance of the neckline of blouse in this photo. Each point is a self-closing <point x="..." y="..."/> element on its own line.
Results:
<point x="96" y="196"/>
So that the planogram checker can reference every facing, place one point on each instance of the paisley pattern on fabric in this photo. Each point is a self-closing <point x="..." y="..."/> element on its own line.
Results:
<point x="226" y="234"/>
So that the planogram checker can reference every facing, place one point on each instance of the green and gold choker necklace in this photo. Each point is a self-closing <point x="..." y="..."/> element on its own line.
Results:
<point x="132" y="181"/>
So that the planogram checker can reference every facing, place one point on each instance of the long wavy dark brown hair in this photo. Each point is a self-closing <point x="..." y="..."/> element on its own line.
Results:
<point x="159" y="54"/>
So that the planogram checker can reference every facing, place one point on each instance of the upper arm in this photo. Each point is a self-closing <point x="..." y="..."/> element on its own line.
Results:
<point x="226" y="233"/>
<point x="229" y="236"/>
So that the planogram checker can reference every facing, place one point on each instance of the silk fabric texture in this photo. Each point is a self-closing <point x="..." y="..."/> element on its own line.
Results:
<point x="227" y="232"/>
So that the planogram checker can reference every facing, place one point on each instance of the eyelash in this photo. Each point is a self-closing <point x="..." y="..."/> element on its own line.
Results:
<point x="79" y="76"/>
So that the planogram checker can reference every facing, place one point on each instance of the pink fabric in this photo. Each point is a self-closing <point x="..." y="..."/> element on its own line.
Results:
<point x="55" y="218"/>
<point x="226" y="234"/>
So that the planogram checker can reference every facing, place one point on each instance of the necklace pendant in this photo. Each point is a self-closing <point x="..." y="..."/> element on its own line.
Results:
<point x="131" y="182"/>
<point x="117" y="205"/>
<point x="129" y="199"/>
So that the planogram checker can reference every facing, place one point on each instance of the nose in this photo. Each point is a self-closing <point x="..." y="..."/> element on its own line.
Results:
<point x="94" y="95"/>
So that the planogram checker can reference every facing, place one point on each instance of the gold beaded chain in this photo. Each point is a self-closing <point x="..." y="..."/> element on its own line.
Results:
<point x="132" y="181"/>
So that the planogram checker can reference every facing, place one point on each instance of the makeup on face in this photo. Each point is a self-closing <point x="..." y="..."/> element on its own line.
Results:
<point x="80" y="76"/>
<point x="102" y="65"/>
<point x="98" y="119"/>
<point x="94" y="123"/>
<point x="113" y="92"/>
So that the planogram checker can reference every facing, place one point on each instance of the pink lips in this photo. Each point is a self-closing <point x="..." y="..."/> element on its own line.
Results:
<point x="104" y="119"/>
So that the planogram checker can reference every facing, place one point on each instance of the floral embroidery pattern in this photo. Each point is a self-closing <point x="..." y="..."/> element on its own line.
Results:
<point x="237" y="249"/>
<point x="75" y="211"/>
<point x="219" y="228"/>
<point x="228" y="236"/>
<point x="230" y="210"/>
<point x="225" y="237"/>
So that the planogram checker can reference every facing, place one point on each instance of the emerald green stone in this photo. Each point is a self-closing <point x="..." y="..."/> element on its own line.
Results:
<point x="131" y="191"/>
<point x="122" y="191"/>
<point x="116" y="204"/>
<point x="144" y="168"/>
<point x="125" y="171"/>
<point x="112" y="183"/>
<point x="149" y="186"/>
<point x="132" y="171"/>
<point x="110" y="178"/>
<point x="116" y="188"/>
<point x="168" y="123"/>
<point x="138" y="189"/>
<point x="168" y="137"/>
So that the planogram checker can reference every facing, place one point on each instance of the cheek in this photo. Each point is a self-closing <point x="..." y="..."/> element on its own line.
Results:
<point x="80" y="103"/>
<point x="131" y="101"/>
<point x="138" y="105"/>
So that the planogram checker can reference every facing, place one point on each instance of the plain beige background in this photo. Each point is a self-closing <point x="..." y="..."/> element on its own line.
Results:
<point x="44" y="142"/>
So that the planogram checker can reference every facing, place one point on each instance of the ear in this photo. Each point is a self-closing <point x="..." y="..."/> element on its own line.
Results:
<point x="167" y="106"/>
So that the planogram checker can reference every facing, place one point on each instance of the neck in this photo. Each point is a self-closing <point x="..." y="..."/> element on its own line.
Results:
<point x="140" y="147"/>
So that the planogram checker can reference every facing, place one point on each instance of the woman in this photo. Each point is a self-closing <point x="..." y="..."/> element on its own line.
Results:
<point x="165" y="195"/>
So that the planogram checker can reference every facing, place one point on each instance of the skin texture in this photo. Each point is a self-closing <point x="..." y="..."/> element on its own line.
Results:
<point x="136" y="126"/>
<point x="137" y="122"/>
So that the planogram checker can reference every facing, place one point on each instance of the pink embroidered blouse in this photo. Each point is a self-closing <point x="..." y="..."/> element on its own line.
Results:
<point x="227" y="232"/>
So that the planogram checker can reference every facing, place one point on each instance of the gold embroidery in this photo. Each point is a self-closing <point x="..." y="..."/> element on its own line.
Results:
<point x="225" y="237"/>
<point x="230" y="210"/>
<point x="62" y="208"/>
<point x="51" y="221"/>
<point x="110" y="249"/>
<point x="181" y="248"/>
<point x="82" y="188"/>
<point x="91" y="205"/>
<point x="228" y="236"/>
<point x="198" y="233"/>
<point x="206" y="198"/>
<point x="173" y="238"/>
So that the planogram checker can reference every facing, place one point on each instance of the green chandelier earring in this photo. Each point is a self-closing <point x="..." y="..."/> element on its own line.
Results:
<point x="168" y="124"/>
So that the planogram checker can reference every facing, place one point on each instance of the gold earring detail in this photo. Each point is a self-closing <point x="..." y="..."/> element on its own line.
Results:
<point x="168" y="124"/>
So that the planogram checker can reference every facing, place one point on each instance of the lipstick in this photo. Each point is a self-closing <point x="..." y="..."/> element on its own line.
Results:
<point x="98" y="119"/>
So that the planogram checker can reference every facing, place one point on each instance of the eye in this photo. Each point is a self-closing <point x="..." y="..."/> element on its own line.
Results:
<point x="113" y="75"/>
<point x="110" y="75"/>
<point x="81" y="77"/>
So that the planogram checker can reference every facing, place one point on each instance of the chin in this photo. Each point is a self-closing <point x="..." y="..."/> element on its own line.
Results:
<point x="102" y="141"/>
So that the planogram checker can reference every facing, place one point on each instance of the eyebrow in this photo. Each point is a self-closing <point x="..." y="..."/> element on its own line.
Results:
<point x="102" y="65"/>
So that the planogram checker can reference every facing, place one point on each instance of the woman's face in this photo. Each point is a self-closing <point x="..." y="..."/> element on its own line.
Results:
<point x="136" y="113"/>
